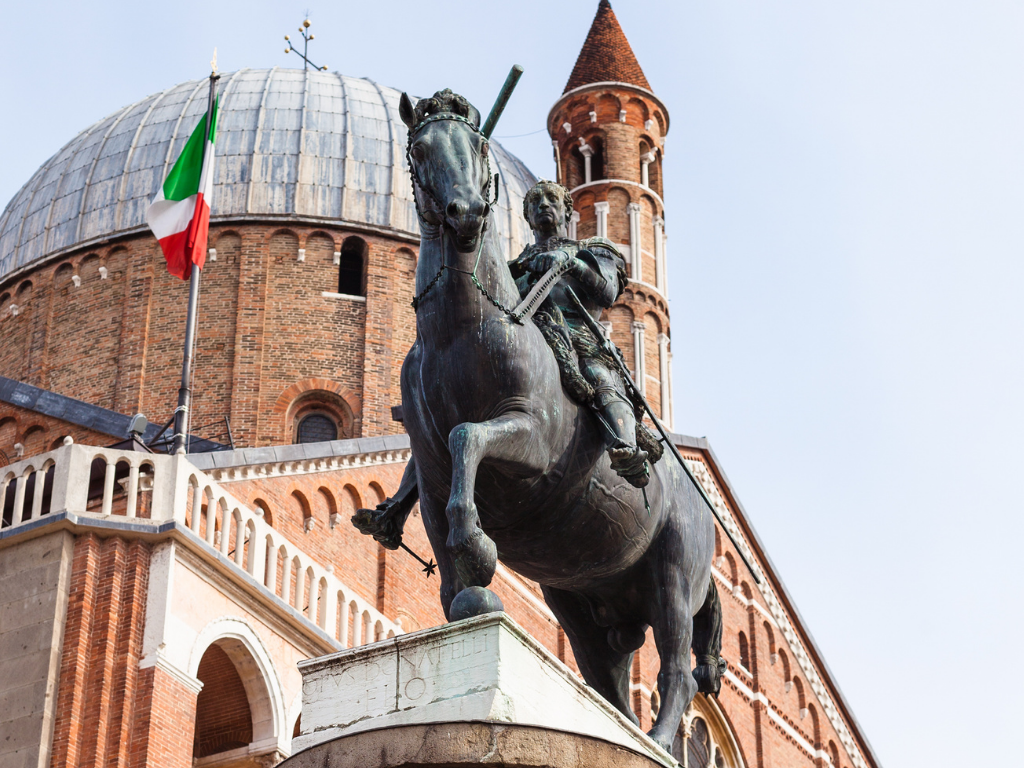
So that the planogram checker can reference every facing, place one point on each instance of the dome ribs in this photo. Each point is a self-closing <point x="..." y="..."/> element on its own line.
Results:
<point x="606" y="55"/>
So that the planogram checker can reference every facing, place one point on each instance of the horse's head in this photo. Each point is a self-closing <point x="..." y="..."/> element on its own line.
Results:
<point x="448" y="161"/>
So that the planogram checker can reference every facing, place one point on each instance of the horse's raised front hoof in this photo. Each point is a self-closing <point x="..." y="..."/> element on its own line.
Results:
<point x="475" y="556"/>
<point x="474" y="601"/>
<point x="377" y="523"/>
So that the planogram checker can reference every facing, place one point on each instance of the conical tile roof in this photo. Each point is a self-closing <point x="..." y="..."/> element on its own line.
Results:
<point x="606" y="54"/>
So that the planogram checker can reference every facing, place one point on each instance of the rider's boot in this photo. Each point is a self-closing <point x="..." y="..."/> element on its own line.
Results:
<point x="628" y="460"/>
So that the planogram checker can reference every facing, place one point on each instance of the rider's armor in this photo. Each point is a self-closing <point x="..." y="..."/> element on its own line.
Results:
<point x="589" y="373"/>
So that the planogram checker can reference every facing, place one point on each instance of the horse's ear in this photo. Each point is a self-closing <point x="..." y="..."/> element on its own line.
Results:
<point x="474" y="115"/>
<point x="407" y="111"/>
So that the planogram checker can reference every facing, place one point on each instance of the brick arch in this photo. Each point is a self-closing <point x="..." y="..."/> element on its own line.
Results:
<point x="62" y="274"/>
<point x="608" y="107"/>
<point x="268" y="513"/>
<point x="88" y="267"/>
<point x="637" y="109"/>
<point x="284" y="412"/>
<point x="378" y="491"/>
<point x="299" y="502"/>
<point x="34" y="439"/>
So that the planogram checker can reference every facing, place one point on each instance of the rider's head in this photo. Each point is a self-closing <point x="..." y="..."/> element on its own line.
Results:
<point x="547" y="205"/>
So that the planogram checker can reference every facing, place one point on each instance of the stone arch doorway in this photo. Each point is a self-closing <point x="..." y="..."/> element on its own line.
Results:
<point x="237" y="720"/>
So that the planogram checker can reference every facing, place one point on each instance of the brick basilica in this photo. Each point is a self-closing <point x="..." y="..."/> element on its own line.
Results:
<point x="153" y="606"/>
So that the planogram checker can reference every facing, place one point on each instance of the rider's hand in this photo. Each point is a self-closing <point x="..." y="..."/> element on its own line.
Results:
<point x="542" y="262"/>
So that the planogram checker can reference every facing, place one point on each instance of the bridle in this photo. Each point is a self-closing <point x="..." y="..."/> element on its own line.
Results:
<point x="415" y="174"/>
<point x="417" y="182"/>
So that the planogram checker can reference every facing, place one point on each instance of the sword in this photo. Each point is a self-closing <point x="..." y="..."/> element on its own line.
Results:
<point x="613" y="351"/>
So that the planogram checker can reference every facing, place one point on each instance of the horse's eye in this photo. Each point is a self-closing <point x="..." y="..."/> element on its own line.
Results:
<point x="417" y="153"/>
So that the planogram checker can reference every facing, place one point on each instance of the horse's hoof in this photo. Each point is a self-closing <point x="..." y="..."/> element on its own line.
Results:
<point x="474" y="601"/>
<point x="475" y="558"/>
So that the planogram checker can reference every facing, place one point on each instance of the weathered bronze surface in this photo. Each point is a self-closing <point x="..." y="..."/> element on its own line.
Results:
<point x="507" y="464"/>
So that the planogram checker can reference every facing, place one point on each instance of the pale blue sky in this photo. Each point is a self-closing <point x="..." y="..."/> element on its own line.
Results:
<point x="844" y="186"/>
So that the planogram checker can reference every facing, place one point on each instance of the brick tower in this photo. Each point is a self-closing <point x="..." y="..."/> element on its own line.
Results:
<point x="608" y="131"/>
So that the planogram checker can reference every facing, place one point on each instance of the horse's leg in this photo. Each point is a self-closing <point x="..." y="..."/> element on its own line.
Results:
<point x="707" y="643"/>
<point x="605" y="669"/>
<point x="672" y="622"/>
<point x="508" y="439"/>
<point x="436" y="526"/>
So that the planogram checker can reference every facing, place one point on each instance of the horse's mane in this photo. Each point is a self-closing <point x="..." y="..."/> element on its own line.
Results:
<point x="448" y="102"/>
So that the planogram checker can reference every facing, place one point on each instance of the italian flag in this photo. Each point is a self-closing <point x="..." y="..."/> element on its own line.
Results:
<point x="180" y="214"/>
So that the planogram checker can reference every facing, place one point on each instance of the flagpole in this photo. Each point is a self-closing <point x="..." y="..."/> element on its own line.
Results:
<point x="181" y="413"/>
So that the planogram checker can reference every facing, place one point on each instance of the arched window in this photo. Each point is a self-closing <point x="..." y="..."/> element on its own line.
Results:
<point x="744" y="652"/>
<point x="597" y="159"/>
<point x="351" y="267"/>
<point x="316" y="428"/>
<point x="704" y="739"/>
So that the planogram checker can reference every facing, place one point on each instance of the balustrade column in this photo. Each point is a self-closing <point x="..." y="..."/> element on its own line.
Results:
<point x="574" y="221"/>
<point x="225" y="529"/>
<point x="108" y="488"/>
<point x="257" y="556"/>
<point x="19" y="499"/>
<point x="37" y="495"/>
<point x="286" y="578"/>
<point x="270" y="566"/>
<point x="343" y="620"/>
<point x="240" y="530"/>
<point x="211" y="520"/>
<point x="133" y="490"/>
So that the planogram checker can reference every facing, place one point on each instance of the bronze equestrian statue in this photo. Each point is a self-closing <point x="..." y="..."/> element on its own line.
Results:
<point x="506" y="464"/>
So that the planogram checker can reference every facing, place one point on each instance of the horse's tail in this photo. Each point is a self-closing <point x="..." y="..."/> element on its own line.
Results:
<point x="707" y="643"/>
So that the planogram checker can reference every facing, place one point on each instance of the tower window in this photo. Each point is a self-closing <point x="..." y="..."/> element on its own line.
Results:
<point x="351" y="267"/>
<point x="316" y="428"/>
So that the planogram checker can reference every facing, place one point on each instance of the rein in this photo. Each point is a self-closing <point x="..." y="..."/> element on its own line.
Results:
<point x="414" y="175"/>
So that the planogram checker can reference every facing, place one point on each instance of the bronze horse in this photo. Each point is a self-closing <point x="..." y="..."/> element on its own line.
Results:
<point x="508" y="466"/>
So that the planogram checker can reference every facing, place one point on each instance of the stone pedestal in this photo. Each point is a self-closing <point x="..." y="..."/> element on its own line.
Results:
<point x="480" y="691"/>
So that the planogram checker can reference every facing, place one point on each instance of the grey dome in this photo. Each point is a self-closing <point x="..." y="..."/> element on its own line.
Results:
<point x="293" y="144"/>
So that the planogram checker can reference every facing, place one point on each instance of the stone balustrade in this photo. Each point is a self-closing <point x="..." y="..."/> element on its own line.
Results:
<point x="154" y="489"/>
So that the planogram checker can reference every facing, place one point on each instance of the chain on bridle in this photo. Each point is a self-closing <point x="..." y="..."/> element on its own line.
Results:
<point x="414" y="174"/>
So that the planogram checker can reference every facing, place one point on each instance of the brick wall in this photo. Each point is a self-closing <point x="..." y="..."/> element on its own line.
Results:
<point x="101" y="691"/>
<point x="106" y="326"/>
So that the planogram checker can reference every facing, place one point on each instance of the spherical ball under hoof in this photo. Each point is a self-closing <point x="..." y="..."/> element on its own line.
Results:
<point x="474" y="601"/>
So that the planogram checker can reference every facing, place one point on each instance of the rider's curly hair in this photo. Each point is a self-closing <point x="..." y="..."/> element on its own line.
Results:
<point x="536" y="189"/>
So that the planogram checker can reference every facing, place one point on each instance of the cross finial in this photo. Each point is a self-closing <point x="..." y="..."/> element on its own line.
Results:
<point x="306" y="37"/>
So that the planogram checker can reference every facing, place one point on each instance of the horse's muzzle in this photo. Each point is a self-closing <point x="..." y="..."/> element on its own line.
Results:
<point x="466" y="219"/>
